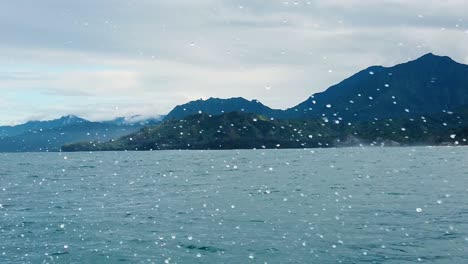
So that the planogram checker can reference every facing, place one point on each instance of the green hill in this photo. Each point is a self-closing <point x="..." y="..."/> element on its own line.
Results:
<point x="238" y="130"/>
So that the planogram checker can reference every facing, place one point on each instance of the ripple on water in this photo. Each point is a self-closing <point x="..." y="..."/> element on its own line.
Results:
<point x="186" y="207"/>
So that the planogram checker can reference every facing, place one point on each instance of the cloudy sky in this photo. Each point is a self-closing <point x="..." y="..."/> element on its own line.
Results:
<point x="108" y="58"/>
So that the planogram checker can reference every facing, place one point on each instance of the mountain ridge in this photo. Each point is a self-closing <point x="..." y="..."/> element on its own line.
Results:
<point x="428" y="84"/>
<point x="50" y="135"/>
<point x="218" y="106"/>
<point x="240" y="130"/>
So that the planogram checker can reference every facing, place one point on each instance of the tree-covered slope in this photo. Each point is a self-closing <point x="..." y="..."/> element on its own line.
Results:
<point x="238" y="130"/>
<point x="426" y="86"/>
<point x="217" y="106"/>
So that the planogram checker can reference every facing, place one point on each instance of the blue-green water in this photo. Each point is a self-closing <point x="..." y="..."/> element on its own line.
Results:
<point x="373" y="205"/>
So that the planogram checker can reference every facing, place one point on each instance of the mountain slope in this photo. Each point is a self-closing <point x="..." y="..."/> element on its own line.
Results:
<point x="9" y="131"/>
<point x="51" y="135"/>
<point x="238" y="130"/>
<point x="216" y="106"/>
<point x="430" y="84"/>
<point x="203" y="131"/>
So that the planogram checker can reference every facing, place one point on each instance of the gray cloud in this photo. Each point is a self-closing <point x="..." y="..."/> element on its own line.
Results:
<point x="101" y="59"/>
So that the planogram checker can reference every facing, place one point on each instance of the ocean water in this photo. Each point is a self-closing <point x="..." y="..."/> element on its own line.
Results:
<point x="350" y="205"/>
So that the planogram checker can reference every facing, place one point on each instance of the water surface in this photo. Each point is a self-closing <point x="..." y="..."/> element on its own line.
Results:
<point x="353" y="205"/>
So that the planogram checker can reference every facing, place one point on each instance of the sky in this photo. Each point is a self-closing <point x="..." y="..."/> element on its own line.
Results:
<point x="108" y="58"/>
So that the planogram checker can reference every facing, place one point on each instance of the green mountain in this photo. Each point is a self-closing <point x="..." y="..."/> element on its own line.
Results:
<point x="217" y="106"/>
<point x="237" y="130"/>
<point x="428" y="85"/>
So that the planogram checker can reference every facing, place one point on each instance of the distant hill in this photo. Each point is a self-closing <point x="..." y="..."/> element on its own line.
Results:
<point x="51" y="135"/>
<point x="203" y="131"/>
<point x="8" y="131"/>
<point x="216" y="106"/>
<point x="428" y="85"/>
<point x="238" y="130"/>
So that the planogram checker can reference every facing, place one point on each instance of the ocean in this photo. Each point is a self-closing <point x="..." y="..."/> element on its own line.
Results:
<point x="348" y="205"/>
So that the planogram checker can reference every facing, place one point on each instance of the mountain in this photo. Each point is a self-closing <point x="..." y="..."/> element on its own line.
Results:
<point x="8" y="131"/>
<point x="203" y="131"/>
<point x="428" y="85"/>
<point x="51" y="135"/>
<point x="216" y="106"/>
<point x="240" y="130"/>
